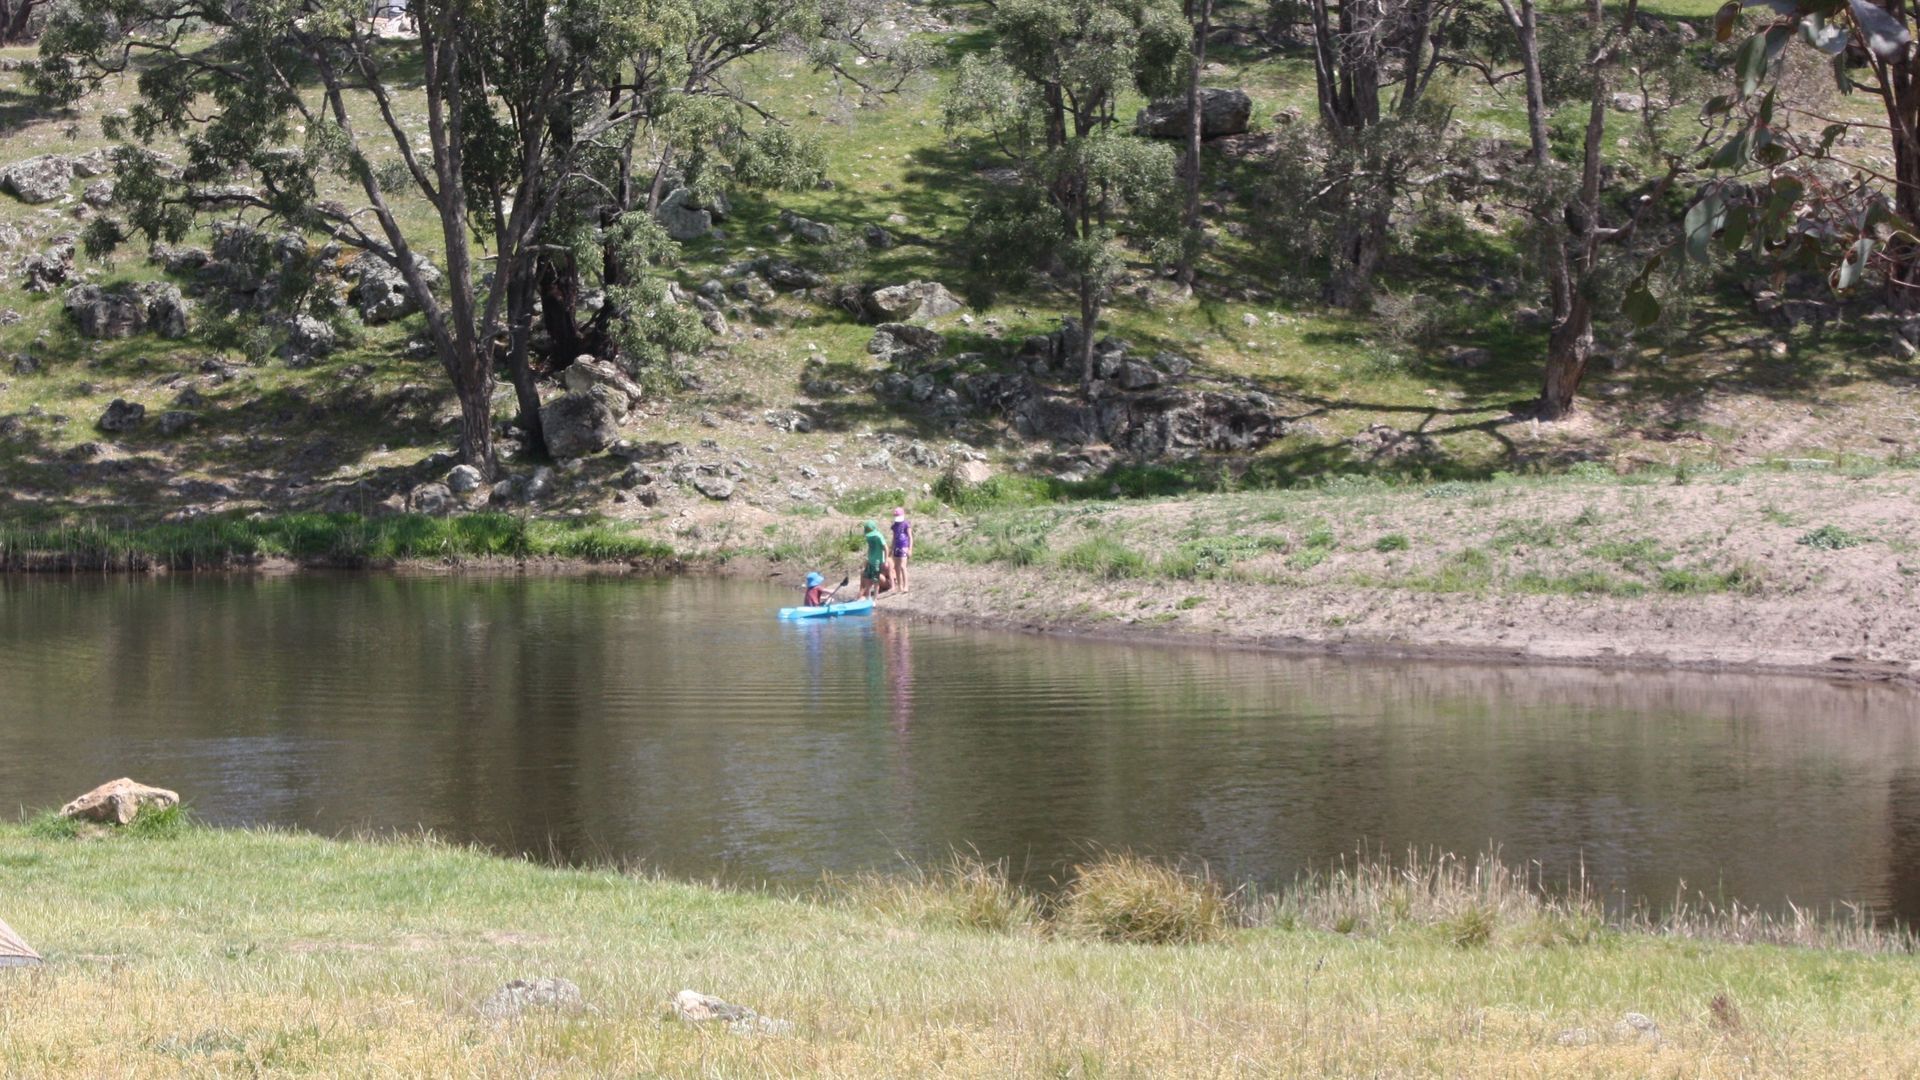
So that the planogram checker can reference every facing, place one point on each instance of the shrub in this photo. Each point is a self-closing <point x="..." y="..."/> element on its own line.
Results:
<point x="1125" y="898"/>
<point x="998" y="491"/>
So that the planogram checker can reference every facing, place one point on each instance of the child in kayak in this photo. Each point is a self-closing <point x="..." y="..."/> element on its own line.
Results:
<point x="902" y="547"/>
<point x="873" y="576"/>
<point x="816" y="591"/>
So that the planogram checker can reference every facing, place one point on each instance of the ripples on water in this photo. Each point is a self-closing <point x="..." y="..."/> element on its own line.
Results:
<point x="679" y="724"/>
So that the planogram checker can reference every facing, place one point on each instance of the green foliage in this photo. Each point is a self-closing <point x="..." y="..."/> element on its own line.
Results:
<point x="1002" y="491"/>
<point x="1830" y="538"/>
<point x="1391" y="542"/>
<point x="1104" y="557"/>
<point x="1046" y="95"/>
<point x="330" y="539"/>
<point x="151" y="823"/>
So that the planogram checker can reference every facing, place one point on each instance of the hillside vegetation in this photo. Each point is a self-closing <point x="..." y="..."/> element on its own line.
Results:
<point x="788" y="410"/>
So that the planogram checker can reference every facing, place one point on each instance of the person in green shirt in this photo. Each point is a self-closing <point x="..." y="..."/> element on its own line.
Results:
<point x="873" y="576"/>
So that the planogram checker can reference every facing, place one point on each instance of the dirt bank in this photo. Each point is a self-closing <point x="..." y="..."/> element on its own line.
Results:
<point x="1751" y="571"/>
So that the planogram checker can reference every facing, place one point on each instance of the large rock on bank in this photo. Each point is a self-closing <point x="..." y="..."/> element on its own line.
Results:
<point x="579" y="424"/>
<point x="1222" y="112"/>
<point x="118" y="802"/>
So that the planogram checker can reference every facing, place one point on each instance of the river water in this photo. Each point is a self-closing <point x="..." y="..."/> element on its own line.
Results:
<point x="678" y="725"/>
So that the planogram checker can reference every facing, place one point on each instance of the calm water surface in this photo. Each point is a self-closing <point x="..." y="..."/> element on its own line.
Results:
<point x="678" y="724"/>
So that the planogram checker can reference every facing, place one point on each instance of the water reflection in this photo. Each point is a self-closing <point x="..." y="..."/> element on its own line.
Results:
<point x="679" y="723"/>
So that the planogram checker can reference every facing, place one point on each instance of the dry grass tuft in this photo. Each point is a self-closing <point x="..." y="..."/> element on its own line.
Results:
<point x="1125" y="898"/>
<point x="967" y="892"/>
<point x="1471" y="902"/>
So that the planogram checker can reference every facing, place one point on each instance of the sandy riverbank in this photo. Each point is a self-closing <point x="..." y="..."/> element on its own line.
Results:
<point x="1753" y="572"/>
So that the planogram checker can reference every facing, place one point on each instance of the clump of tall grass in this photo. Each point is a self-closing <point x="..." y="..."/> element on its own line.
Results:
<point x="966" y="892"/>
<point x="1472" y="902"/>
<point x="1125" y="898"/>
<point x="1104" y="557"/>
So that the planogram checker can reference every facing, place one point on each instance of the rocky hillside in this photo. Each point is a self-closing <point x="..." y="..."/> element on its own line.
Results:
<point x="851" y="361"/>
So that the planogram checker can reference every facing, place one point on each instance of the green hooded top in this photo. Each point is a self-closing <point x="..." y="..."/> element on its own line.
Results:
<point x="876" y="549"/>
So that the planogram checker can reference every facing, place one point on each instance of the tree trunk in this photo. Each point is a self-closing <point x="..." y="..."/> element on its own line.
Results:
<point x="519" y="366"/>
<point x="1569" y="348"/>
<point x="476" y="423"/>
<point x="1190" y="249"/>
<point x="469" y="364"/>
<point x="1089" y="316"/>
<point x="1576" y="257"/>
<point x="1903" y="114"/>
<point x="1361" y="240"/>
<point x="14" y="20"/>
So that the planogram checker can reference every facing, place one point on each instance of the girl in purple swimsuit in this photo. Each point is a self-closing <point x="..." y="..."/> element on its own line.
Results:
<point x="902" y="547"/>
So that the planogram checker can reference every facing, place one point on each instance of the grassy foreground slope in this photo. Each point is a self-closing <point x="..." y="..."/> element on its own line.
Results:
<point x="303" y="956"/>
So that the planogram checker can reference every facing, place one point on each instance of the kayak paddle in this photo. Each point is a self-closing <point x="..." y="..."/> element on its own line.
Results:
<point x="827" y="600"/>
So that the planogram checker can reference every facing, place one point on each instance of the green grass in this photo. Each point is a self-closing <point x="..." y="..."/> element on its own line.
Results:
<point x="1103" y="557"/>
<point x="1831" y="538"/>
<point x="321" y="539"/>
<point x="302" y="956"/>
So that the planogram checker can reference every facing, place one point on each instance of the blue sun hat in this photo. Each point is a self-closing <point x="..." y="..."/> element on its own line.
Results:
<point x="814" y="579"/>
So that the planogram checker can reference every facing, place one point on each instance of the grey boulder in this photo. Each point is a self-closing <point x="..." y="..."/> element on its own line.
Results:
<point x="126" y="310"/>
<point x="682" y="220"/>
<point x="808" y="230"/>
<point x="578" y="424"/>
<point x="121" y="415"/>
<point x="1222" y="112"/>
<point x="38" y="179"/>
<point x="901" y="344"/>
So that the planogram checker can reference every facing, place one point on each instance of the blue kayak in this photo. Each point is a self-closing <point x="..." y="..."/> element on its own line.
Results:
<point x="851" y="607"/>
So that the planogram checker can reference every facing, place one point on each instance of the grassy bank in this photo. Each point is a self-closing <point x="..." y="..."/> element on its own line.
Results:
<point x="196" y="951"/>
<point x="345" y="540"/>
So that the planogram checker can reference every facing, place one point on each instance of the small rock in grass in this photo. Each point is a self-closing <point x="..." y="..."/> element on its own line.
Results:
<point x="1638" y="1026"/>
<point x="118" y="802"/>
<point x="516" y="998"/>
<point x="694" y="1007"/>
<point x="121" y="415"/>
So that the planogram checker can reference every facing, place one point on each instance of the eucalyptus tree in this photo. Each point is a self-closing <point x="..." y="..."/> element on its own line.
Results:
<point x="1809" y="186"/>
<point x="309" y="100"/>
<point x="16" y="20"/>
<point x="1047" y="95"/>
<point x="516" y="122"/>
<point x="1583" y="228"/>
<point x="1374" y="63"/>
